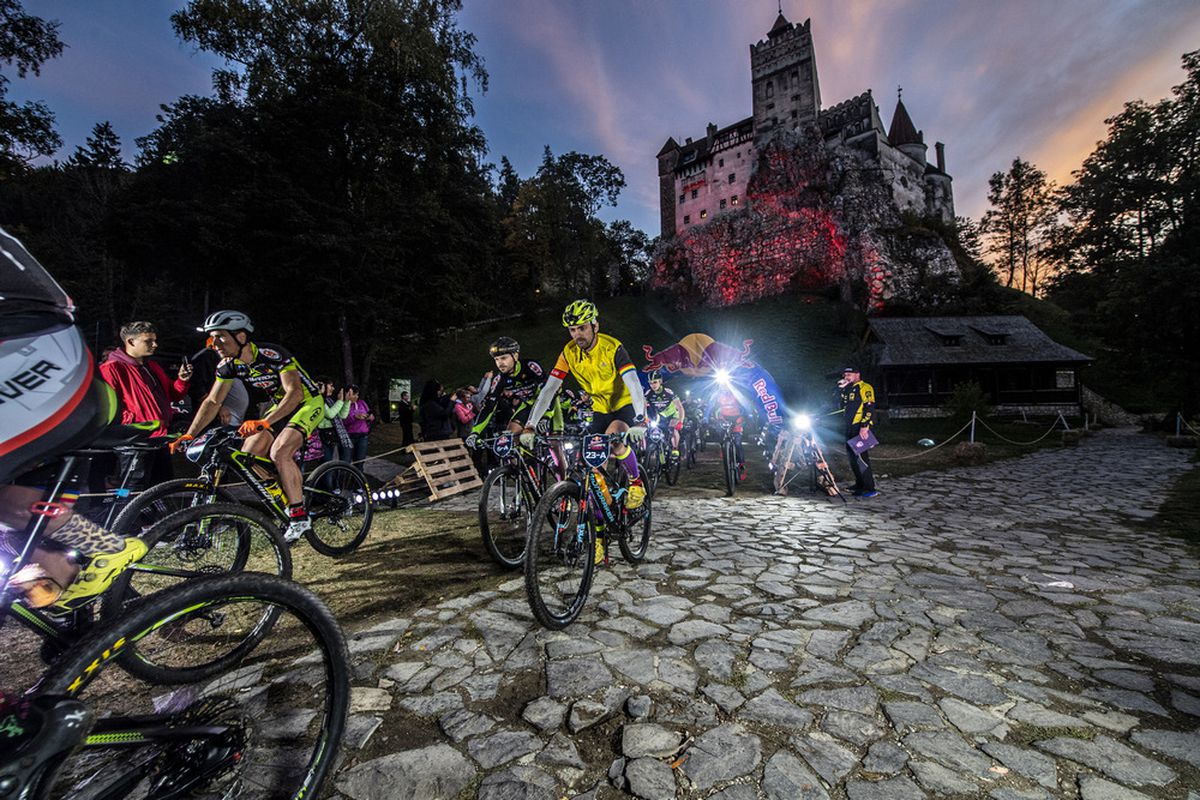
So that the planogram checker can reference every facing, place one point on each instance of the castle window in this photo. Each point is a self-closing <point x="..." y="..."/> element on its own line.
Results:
<point x="732" y="177"/>
<point x="904" y="181"/>
<point x="687" y="219"/>
<point x="770" y="89"/>
<point x="695" y="193"/>
<point x="770" y="106"/>
<point x="704" y="214"/>
<point x="733" y="200"/>
<point x="795" y="113"/>
<point x="795" y="77"/>
<point x="682" y="197"/>
<point x="720" y="163"/>
<point x="722" y="205"/>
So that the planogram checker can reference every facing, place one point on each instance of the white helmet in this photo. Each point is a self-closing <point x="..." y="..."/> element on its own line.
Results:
<point x="227" y="320"/>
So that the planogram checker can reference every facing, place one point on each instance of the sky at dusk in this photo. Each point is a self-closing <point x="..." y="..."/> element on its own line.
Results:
<point x="993" y="80"/>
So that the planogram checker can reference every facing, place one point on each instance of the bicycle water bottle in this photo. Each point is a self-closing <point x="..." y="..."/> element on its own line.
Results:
<point x="276" y="491"/>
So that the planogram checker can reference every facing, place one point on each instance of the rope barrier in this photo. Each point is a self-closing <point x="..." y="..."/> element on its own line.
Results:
<point x="1186" y="425"/>
<point x="1022" y="444"/>
<point x="926" y="452"/>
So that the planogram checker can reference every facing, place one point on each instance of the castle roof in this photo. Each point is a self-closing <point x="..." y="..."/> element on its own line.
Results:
<point x="700" y="148"/>
<point x="781" y="26"/>
<point x="668" y="147"/>
<point x="903" y="131"/>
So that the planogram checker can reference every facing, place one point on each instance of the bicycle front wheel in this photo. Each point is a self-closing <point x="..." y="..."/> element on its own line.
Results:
<point x="504" y="516"/>
<point x="267" y="727"/>
<point x="338" y="499"/>
<point x="729" y="462"/>
<point x="164" y="499"/>
<point x="200" y="542"/>
<point x="559" y="557"/>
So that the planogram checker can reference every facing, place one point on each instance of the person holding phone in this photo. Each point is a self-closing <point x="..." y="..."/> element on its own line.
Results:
<point x="857" y="398"/>
<point x="358" y="424"/>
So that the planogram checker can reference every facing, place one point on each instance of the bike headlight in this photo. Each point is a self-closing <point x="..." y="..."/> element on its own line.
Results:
<point x="722" y="376"/>
<point x="802" y="422"/>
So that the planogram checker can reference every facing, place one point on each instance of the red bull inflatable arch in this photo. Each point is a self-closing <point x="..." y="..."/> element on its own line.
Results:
<point x="698" y="355"/>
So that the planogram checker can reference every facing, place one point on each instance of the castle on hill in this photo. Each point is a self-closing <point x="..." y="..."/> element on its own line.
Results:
<point x="703" y="177"/>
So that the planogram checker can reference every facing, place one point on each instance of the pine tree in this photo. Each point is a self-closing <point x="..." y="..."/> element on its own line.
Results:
<point x="103" y="149"/>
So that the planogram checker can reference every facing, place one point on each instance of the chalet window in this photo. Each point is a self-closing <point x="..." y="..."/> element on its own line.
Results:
<point x="996" y="339"/>
<point x="722" y="205"/>
<point x="695" y="193"/>
<point x="1064" y="379"/>
<point x="950" y="340"/>
<point x="704" y="213"/>
<point x="687" y="219"/>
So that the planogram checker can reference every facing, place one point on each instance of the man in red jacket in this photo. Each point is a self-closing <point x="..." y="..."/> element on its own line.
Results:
<point x="144" y="389"/>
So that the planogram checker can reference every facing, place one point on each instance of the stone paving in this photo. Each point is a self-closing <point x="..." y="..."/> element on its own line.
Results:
<point x="1004" y="632"/>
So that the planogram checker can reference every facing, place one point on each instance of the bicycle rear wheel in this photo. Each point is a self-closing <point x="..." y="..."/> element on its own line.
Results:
<point x="559" y="556"/>
<point x="729" y="463"/>
<point x="208" y="540"/>
<point x="338" y="500"/>
<point x="163" y="499"/>
<point x="504" y="516"/>
<point x="267" y="727"/>
<point x="634" y="536"/>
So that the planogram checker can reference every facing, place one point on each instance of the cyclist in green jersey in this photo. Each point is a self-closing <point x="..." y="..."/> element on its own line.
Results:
<point x="296" y="411"/>
<point x="666" y="407"/>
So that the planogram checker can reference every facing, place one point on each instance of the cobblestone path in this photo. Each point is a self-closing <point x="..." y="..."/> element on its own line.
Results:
<point x="1004" y="632"/>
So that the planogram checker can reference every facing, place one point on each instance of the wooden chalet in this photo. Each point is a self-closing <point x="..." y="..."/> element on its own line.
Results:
<point x="919" y="360"/>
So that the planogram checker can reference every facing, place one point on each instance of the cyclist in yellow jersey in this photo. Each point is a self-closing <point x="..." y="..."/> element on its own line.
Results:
<point x="604" y="370"/>
<point x="298" y="407"/>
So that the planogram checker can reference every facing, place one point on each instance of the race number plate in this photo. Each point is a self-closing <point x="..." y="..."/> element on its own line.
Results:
<point x="503" y="445"/>
<point x="595" y="450"/>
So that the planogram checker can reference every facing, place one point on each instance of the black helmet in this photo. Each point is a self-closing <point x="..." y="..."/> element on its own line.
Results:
<point x="505" y="345"/>
<point x="655" y="375"/>
<point x="227" y="320"/>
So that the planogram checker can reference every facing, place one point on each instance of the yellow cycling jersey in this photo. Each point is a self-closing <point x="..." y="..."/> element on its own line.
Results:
<point x="599" y="371"/>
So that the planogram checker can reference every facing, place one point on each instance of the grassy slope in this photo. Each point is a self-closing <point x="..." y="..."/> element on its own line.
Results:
<point x="796" y="340"/>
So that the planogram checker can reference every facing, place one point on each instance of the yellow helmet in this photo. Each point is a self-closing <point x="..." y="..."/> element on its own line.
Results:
<point x="580" y="312"/>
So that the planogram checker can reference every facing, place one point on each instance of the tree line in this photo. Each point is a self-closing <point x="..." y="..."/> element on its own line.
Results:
<point x="333" y="185"/>
<point x="1119" y="246"/>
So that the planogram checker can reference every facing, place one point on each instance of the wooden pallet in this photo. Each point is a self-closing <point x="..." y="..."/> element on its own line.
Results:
<point x="444" y="467"/>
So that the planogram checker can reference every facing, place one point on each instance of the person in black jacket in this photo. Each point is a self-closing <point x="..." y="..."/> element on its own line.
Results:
<point x="435" y="412"/>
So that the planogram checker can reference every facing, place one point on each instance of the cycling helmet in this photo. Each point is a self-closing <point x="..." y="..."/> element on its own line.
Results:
<point x="581" y="312"/>
<point x="227" y="320"/>
<point x="655" y="375"/>
<point x="505" y="345"/>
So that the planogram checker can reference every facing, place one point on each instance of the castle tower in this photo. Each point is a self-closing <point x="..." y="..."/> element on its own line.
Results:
<point x="783" y="74"/>
<point x="904" y="136"/>
<point x="668" y="158"/>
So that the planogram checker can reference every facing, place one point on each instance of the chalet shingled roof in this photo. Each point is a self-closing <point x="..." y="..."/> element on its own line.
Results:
<point x="933" y="341"/>
<point x="902" y="131"/>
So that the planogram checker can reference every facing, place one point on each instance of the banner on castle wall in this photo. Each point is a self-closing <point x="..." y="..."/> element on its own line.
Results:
<point x="698" y="355"/>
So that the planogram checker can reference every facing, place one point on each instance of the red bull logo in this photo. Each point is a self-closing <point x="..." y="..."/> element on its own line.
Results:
<point x="769" y="402"/>
<point x="698" y="355"/>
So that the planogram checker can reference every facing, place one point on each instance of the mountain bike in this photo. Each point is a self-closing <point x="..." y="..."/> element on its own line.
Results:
<point x="510" y="493"/>
<point x="729" y="462"/>
<point x="688" y="442"/>
<point x="572" y="514"/>
<point x="652" y="456"/>
<point x="268" y="726"/>
<point x="336" y="494"/>
<point x="234" y="538"/>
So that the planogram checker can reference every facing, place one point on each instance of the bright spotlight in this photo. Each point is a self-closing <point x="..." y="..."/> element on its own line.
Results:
<point x="802" y="422"/>
<point x="722" y="376"/>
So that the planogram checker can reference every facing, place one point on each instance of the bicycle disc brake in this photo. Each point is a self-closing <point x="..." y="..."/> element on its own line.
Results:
<point x="211" y="765"/>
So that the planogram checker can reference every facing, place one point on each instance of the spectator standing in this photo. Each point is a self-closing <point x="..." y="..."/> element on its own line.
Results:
<point x="404" y="415"/>
<point x="464" y="411"/>
<point x="857" y="398"/>
<point x="358" y="423"/>
<point x="335" y="438"/>
<point x="145" y="392"/>
<point x="435" y="412"/>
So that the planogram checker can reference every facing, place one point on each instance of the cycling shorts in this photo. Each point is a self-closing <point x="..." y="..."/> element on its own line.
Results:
<point x="305" y="419"/>
<point x="600" y="422"/>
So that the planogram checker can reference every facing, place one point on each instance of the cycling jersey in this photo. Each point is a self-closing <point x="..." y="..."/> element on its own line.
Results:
<point x="662" y="403"/>
<point x="725" y="405"/>
<point x="599" y="372"/>
<point x="509" y="395"/>
<point x="858" y="404"/>
<point x="265" y="371"/>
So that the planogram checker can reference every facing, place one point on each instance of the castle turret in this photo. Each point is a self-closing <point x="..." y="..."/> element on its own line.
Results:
<point x="905" y="137"/>
<point x="783" y="72"/>
<point x="668" y="157"/>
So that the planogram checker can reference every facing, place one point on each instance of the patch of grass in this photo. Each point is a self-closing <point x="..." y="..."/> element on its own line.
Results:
<point x="891" y="695"/>
<point x="739" y="672"/>
<point x="1023" y="733"/>
<point x="471" y="789"/>
<point x="1180" y="514"/>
